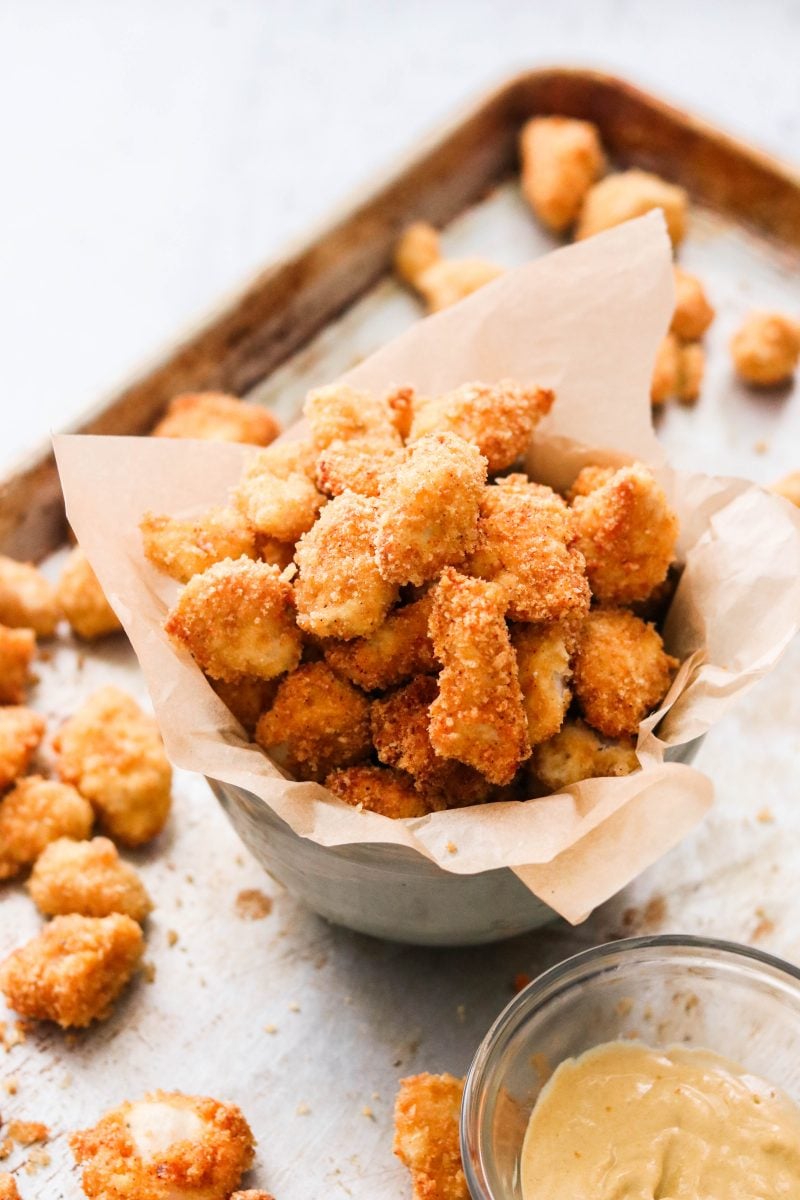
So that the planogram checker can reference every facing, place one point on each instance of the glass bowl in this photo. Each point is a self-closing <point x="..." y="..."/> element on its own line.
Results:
<point x="665" y="991"/>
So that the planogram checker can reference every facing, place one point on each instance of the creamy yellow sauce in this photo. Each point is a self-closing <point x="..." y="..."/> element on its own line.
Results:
<point x="624" y="1122"/>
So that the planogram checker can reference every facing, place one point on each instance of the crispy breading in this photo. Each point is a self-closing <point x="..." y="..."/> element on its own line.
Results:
<point x="237" y="618"/>
<point x="627" y="533"/>
<point x="246" y="697"/>
<point x="187" y="546"/>
<point x="8" y="1187"/>
<point x="693" y="312"/>
<point x="498" y="418"/>
<point x="677" y="372"/>
<point x="276" y="493"/>
<point x="450" y="280"/>
<point x="217" y="417"/>
<point x="17" y="650"/>
<point x="73" y="971"/>
<point x="112" y="752"/>
<point x="429" y="514"/>
<point x="577" y="752"/>
<point x="379" y="789"/>
<point x="270" y="550"/>
<point x="88" y="878"/>
<point x="164" y="1147"/>
<point x="398" y="649"/>
<point x="544" y="663"/>
<point x="788" y="487"/>
<point x="359" y="464"/>
<point x="588" y="480"/>
<point x="27" y="599"/>
<point x="338" y="413"/>
<point x="321" y="719"/>
<point x="401" y="407"/>
<point x="628" y="194"/>
<point x="83" y="601"/>
<point x="426" y="1136"/>
<point x="418" y="248"/>
<point x="621" y="670"/>
<point x="478" y="716"/>
<point x="765" y="350"/>
<point x="250" y="1194"/>
<point x="561" y="158"/>
<point x="339" y="591"/>
<point x="34" y="813"/>
<point x="21" y="731"/>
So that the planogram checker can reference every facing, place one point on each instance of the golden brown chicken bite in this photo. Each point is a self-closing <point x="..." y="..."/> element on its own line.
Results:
<point x="166" y="1146"/>
<point x="83" y="601"/>
<point x="788" y="487"/>
<point x="765" y="350"/>
<point x="561" y="158"/>
<point x="360" y="464"/>
<point x="73" y="971"/>
<point x="339" y="413"/>
<point x="693" y="312"/>
<point x="426" y="1136"/>
<point x="112" y="752"/>
<point x="544" y="662"/>
<point x="34" y="813"/>
<point x="8" y="1187"/>
<point x="577" y="752"/>
<point x="88" y="878"/>
<point x="187" y="546"/>
<point x="439" y="281"/>
<point x="276" y="494"/>
<point x="379" y="789"/>
<point x="398" y="649"/>
<point x="628" y="194"/>
<point x="27" y="599"/>
<point x="21" y="731"/>
<point x="418" y="248"/>
<point x="246" y="697"/>
<point x="217" y="417"/>
<point x="17" y="650"/>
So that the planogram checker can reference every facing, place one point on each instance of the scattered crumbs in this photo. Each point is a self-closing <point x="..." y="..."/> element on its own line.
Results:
<point x="765" y="816"/>
<point x="303" y="1110"/>
<point x="178" y="902"/>
<point x="189" y="877"/>
<point x="451" y="848"/>
<point x="6" y="1146"/>
<point x="253" y="905"/>
<point x="761" y="446"/>
<point x="27" y="1133"/>
<point x="764" y="927"/>
<point x="461" y="1013"/>
<point x="172" y="937"/>
<point x="270" y="1029"/>
<point x="624" y="1006"/>
<point x="368" y="1113"/>
<point x="692" y="1001"/>
<point x="294" y="1006"/>
<point x="647" y="1014"/>
<point x="521" y="981"/>
<point x="65" y="1081"/>
<point x="542" y="1066"/>
<point x="12" y="1035"/>
<point x="239" y="860"/>
<point x="37" y="1159"/>
<point x="149" y="971"/>
<point x="11" y="1085"/>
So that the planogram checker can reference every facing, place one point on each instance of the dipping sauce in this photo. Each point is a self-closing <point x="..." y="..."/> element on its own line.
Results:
<point x="625" y="1122"/>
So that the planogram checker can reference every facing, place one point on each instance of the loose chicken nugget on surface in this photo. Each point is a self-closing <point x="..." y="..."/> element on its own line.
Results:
<point x="628" y="194"/>
<point x="187" y="546"/>
<point x="246" y="697"/>
<point x="498" y="418"/>
<point x="544" y="662"/>
<point x="577" y="752"/>
<point x="8" y="1187"/>
<point x="627" y="533"/>
<point x="112" y="752"/>
<point x="27" y="599"/>
<point x="450" y="280"/>
<point x="340" y="592"/>
<point x="426" y="1136"/>
<point x="478" y="716"/>
<point x="321" y="719"/>
<point x="788" y="487"/>
<point x="418" y="248"/>
<point x="398" y="649"/>
<point x="561" y="158"/>
<point x="381" y="790"/>
<point x="17" y="650"/>
<point x="765" y="350"/>
<point x="276" y="494"/>
<point x="429" y="513"/>
<point x="678" y="371"/>
<point x="21" y="731"/>
<point x="73" y="971"/>
<point x="360" y="464"/>
<point x="87" y="878"/>
<point x="339" y="413"/>
<point x="83" y="601"/>
<point x="693" y="311"/>
<point x="166" y="1146"/>
<point x="237" y="618"/>
<point x="35" y="813"/>
<point x="217" y="417"/>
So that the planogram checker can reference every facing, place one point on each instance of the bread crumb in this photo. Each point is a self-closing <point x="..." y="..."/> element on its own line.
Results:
<point x="12" y="1085"/>
<point x="27" y="1133"/>
<point x="37" y="1159"/>
<point x="253" y="905"/>
<point x="172" y="937"/>
<point x="764" y="927"/>
<point x="294" y="1006"/>
<point x="149" y="972"/>
<point x="765" y="816"/>
<point x="270" y="1029"/>
<point x="451" y="848"/>
<point x="366" y="1111"/>
<point x="12" y="1035"/>
<point x="6" y="1146"/>
<point x="303" y="1110"/>
<point x="761" y="446"/>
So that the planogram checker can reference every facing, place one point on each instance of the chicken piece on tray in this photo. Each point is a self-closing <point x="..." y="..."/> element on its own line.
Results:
<point x="561" y="159"/>
<point x="217" y="417"/>
<point x="426" y="1136"/>
<point x="398" y="649"/>
<point x="379" y="789"/>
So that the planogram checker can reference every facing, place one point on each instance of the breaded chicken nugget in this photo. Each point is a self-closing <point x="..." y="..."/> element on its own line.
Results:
<point x="339" y="413"/>
<point x="498" y="418"/>
<point x="765" y="351"/>
<point x="187" y="546"/>
<point x="8" y="1187"/>
<point x="418" y="248"/>
<point x="322" y="720"/>
<point x="621" y="670"/>
<point x="34" y="813"/>
<point x="17" y="650"/>
<point x="693" y="312"/>
<point x="478" y="716"/>
<point x="112" y="752"/>
<point x="88" y="878"/>
<point x="629" y="194"/>
<point x="83" y="601"/>
<point x="578" y="752"/>
<point x="277" y="554"/>
<point x="450" y="280"/>
<point x="401" y="407"/>
<point x="360" y="464"/>
<point x="21" y="730"/>
<point x="237" y="618"/>
<point x="167" y="1146"/>
<point x="27" y="599"/>
<point x="217" y="417"/>
<point x="429" y="514"/>
<point x="626" y="531"/>
<point x="246" y="697"/>
<point x="276" y="494"/>
<point x="73" y="971"/>
<point x="561" y="158"/>
<point x="398" y="649"/>
<point x="788" y="487"/>
<point x="544" y="662"/>
<point x="678" y="371"/>
<point x="426" y="1136"/>
<point x="379" y="789"/>
<point x="340" y="592"/>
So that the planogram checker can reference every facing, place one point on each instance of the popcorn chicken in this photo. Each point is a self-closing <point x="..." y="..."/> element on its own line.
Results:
<point x="626" y="531"/>
<point x="8" y="1187"/>
<point x="765" y="350"/>
<point x="184" y="547"/>
<point x="237" y="618"/>
<point x="419" y="247"/>
<point x="17" y="650"/>
<point x="112" y="752"/>
<point x="88" y="878"/>
<point x="545" y="670"/>
<point x="440" y="281"/>
<point x="35" y="813"/>
<point x="21" y="731"/>
<point x="27" y="599"/>
<point x="678" y="371"/>
<point x="398" y="649"/>
<point x="577" y="752"/>
<point x="379" y="789"/>
<point x="498" y="418"/>
<point x="277" y="495"/>
<point x="788" y="487"/>
<point x="166" y="1146"/>
<point x="561" y="158"/>
<point x="628" y="194"/>
<point x="246" y="697"/>
<point x="426" y="1136"/>
<point x="339" y="413"/>
<point x="429" y="514"/>
<point x="83" y="601"/>
<point x="478" y="716"/>
<point x="277" y="554"/>
<point x="74" y="970"/>
<point x="693" y="312"/>
<point x="217" y="417"/>
<point x="360" y="465"/>
<point x="340" y="591"/>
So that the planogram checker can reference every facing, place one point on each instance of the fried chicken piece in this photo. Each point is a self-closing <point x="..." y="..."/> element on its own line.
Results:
<point x="277" y="554"/>
<point x="401" y="407"/>
<point x="439" y="281"/>
<point x="246" y="697"/>
<point x="276" y="494"/>
<point x="544" y="661"/>
<point x="27" y="599"/>
<point x="678" y="371"/>
<point x="338" y="413"/>
<point x="73" y="971"/>
<point x="418" y="248"/>
<point x="788" y="487"/>
<point x="429" y="514"/>
<point x="83" y="601"/>
<point x="561" y="158"/>
<point x="765" y="350"/>
<point x="628" y="194"/>
<point x="478" y="716"/>
<point x="88" y="878"/>
<point x="112" y="752"/>
<point x="217" y="417"/>
<point x="237" y="618"/>
<point x="166" y="1146"/>
<point x="379" y="789"/>
<point x="627" y="533"/>
<point x="322" y="720"/>
<point x="17" y="650"/>
<point x="35" y="813"/>
<point x="182" y="547"/>
<point x="21" y="731"/>
<point x="498" y="418"/>
<point x="360" y="464"/>
<point x="8" y="1187"/>
<point x="398" y="649"/>
<point x="340" y="592"/>
<point x="578" y="752"/>
<point x="693" y="312"/>
<point x="426" y="1136"/>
